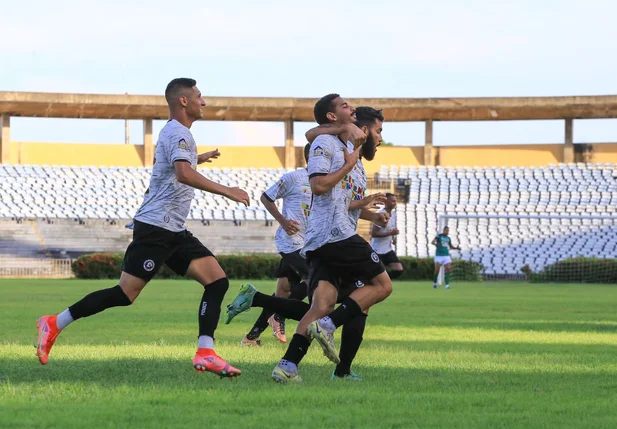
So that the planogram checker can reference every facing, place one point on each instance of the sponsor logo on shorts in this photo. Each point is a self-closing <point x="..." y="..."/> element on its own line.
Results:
<point x="359" y="284"/>
<point x="149" y="265"/>
<point x="374" y="257"/>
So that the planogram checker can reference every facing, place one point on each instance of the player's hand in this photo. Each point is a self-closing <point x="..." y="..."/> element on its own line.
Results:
<point x="207" y="156"/>
<point x="238" y="195"/>
<point x="351" y="159"/>
<point x="395" y="231"/>
<point x="381" y="219"/>
<point x="355" y="135"/>
<point x="372" y="201"/>
<point x="291" y="227"/>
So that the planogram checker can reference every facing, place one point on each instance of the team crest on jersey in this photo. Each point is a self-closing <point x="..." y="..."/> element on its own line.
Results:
<point x="182" y="144"/>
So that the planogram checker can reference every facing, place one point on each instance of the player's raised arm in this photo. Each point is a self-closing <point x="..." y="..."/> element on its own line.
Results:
<point x="350" y="131"/>
<point x="368" y="202"/>
<point x="279" y="190"/>
<point x="319" y="164"/>
<point x="186" y="175"/>
<point x="378" y="218"/>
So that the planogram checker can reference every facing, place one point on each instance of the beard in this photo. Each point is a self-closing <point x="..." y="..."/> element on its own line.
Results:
<point x="369" y="148"/>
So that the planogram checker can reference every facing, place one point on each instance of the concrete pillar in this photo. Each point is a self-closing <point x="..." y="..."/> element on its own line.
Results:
<point x="568" y="149"/>
<point x="148" y="147"/>
<point x="5" y="139"/>
<point x="428" y="142"/>
<point x="290" y="152"/>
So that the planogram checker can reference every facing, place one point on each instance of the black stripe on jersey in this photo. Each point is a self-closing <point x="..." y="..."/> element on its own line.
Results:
<point x="267" y="197"/>
<point x="180" y="160"/>
<point x="317" y="174"/>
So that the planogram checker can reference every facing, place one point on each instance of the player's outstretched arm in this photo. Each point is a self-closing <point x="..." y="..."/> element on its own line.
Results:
<point x="291" y="227"/>
<point x="375" y="232"/>
<point x="186" y="175"/>
<point x="350" y="131"/>
<point x="380" y="219"/>
<point x="368" y="202"/>
<point x="323" y="183"/>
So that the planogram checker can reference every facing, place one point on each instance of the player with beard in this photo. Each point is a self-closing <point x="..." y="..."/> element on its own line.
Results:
<point x="334" y="251"/>
<point x="368" y="123"/>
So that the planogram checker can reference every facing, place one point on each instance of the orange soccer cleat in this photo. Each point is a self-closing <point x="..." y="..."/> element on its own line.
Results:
<point x="206" y="360"/>
<point x="48" y="332"/>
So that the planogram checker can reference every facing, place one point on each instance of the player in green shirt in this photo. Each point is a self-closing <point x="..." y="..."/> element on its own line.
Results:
<point x="442" y="255"/>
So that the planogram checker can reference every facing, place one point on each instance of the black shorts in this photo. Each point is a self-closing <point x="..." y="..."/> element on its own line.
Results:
<point x="293" y="267"/>
<point x="153" y="246"/>
<point x="343" y="263"/>
<point x="389" y="258"/>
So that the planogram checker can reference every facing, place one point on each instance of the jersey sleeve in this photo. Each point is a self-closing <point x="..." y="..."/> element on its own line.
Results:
<point x="321" y="156"/>
<point x="281" y="188"/>
<point x="179" y="147"/>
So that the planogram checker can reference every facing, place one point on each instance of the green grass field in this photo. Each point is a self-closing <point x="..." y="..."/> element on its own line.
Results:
<point x="492" y="355"/>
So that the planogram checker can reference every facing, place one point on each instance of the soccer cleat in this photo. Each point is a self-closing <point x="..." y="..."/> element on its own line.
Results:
<point x="278" y="328"/>
<point x="246" y="341"/>
<point x="352" y="376"/>
<point x="216" y="365"/>
<point x="447" y="287"/>
<point x="434" y="286"/>
<point x="48" y="332"/>
<point x="325" y="340"/>
<point x="242" y="302"/>
<point x="283" y="376"/>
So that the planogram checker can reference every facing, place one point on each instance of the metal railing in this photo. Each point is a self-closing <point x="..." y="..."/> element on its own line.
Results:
<point x="35" y="268"/>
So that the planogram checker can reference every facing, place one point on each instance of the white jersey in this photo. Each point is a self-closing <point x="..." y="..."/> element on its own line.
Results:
<point x="167" y="202"/>
<point x="383" y="245"/>
<point x="330" y="220"/>
<point x="295" y="190"/>
<point x="355" y="181"/>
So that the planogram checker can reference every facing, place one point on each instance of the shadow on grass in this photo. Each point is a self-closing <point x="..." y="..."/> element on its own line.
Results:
<point x="169" y="373"/>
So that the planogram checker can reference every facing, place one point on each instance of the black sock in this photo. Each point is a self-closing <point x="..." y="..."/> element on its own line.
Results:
<point x="350" y="344"/>
<point x="299" y="291"/>
<point x="260" y="324"/>
<point x="297" y="349"/>
<point x="345" y="312"/>
<point x="395" y="274"/>
<point x="210" y="306"/>
<point x="287" y="308"/>
<point x="99" y="301"/>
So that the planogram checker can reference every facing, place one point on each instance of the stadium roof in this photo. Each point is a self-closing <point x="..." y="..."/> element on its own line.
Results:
<point x="57" y="105"/>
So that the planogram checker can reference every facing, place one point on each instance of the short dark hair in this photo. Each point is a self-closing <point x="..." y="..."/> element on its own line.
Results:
<point x="366" y="116"/>
<point x="390" y="194"/>
<point x="307" y="150"/>
<point x="323" y="106"/>
<point x="174" y="87"/>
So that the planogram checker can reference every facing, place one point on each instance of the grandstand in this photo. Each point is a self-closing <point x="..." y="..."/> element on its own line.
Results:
<point x="85" y="209"/>
<point x="55" y="205"/>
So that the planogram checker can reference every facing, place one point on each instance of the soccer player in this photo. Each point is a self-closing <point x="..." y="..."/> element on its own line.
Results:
<point x="333" y="249"/>
<point x="369" y="122"/>
<point x="295" y="190"/>
<point x="160" y="236"/>
<point x="382" y="239"/>
<point x="443" y="246"/>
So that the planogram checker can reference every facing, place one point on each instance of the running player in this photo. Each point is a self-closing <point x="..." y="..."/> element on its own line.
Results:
<point x="382" y="239"/>
<point x="443" y="245"/>
<point x="295" y="190"/>
<point x="333" y="249"/>
<point x="160" y="236"/>
<point x="369" y="121"/>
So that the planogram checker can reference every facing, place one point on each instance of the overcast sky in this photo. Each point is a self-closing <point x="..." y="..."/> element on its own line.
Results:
<point x="441" y="48"/>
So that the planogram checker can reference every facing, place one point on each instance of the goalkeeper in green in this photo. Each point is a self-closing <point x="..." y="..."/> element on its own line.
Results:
<point x="442" y="255"/>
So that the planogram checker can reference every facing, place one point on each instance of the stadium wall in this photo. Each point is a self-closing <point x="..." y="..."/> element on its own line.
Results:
<point x="30" y="153"/>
